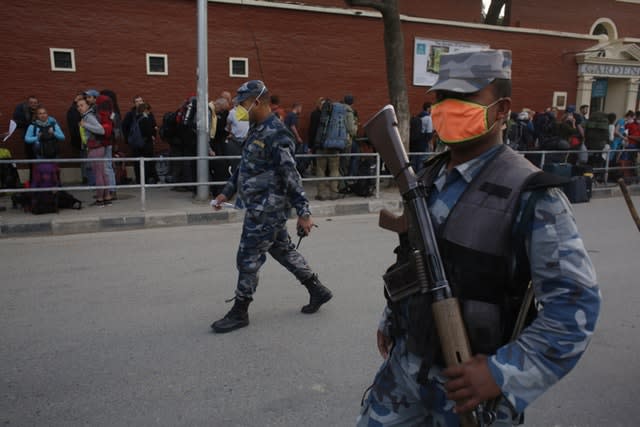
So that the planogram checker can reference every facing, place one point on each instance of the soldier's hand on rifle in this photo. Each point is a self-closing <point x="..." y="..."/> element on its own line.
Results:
<point x="384" y="344"/>
<point x="305" y="223"/>
<point x="470" y="383"/>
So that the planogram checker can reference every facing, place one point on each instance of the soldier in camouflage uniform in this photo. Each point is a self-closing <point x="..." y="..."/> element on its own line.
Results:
<point x="412" y="388"/>
<point x="267" y="185"/>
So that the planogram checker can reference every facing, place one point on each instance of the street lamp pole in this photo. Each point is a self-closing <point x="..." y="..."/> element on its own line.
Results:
<point x="202" y="108"/>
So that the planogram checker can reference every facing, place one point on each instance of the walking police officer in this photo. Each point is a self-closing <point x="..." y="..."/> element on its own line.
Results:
<point x="491" y="210"/>
<point x="267" y="184"/>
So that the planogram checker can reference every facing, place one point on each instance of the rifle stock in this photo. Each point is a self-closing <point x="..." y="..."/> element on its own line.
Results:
<point x="391" y="222"/>
<point x="382" y="131"/>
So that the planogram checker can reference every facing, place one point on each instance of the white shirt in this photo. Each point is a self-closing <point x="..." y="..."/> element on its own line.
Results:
<point x="237" y="128"/>
<point x="427" y="124"/>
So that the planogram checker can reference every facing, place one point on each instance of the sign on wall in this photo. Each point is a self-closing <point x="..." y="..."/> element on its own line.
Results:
<point x="426" y="57"/>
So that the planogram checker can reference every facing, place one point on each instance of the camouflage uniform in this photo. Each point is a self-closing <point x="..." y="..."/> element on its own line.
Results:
<point x="267" y="184"/>
<point x="564" y="282"/>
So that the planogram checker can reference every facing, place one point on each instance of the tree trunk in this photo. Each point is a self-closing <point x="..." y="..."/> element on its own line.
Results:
<point x="493" y="14"/>
<point x="394" y="58"/>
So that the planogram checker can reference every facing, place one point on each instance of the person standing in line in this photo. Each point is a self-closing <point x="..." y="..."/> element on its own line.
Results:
<point x="92" y="134"/>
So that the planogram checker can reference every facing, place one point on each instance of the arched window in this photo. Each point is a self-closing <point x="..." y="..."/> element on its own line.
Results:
<point x="606" y="27"/>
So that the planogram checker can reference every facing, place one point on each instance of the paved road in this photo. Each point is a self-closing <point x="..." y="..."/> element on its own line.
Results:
<point x="112" y="329"/>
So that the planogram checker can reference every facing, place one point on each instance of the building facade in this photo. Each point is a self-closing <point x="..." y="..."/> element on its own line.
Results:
<point x="564" y="53"/>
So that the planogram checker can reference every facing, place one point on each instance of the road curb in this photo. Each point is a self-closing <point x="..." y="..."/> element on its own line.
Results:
<point x="134" y="221"/>
<point x="61" y="226"/>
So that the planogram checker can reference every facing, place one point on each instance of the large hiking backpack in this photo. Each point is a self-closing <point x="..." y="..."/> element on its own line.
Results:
<point x="323" y="123"/>
<point x="544" y="126"/>
<point x="186" y="116"/>
<point x="519" y="137"/>
<point x="45" y="175"/>
<point x="337" y="136"/>
<point x="47" y="145"/>
<point x="105" y="114"/>
<point x="169" y="127"/>
<point x="135" y="138"/>
<point x="596" y="132"/>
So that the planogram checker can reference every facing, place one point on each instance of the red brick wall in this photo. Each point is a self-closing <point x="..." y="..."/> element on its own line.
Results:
<point x="464" y="10"/>
<point x="576" y="16"/>
<point x="302" y="55"/>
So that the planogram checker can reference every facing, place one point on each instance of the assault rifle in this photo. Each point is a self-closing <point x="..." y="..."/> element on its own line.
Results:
<point x="430" y="277"/>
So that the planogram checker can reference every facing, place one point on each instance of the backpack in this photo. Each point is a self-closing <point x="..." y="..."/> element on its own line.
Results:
<point x="187" y="114"/>
<point x="596" y="131"/>
<point x="323" y="123"/>
<point x="544" y="125"/>
<point x="415" y="132"/>
<point x="9" y="177"/>
<point x="45" y="175"/>
<point x="135" y="138"/>
<point x="105" y="114"/>
<point x="47" y="144"/>
<point x="169" y="126"/>
<point x="337" y="136"/>
<point x="519" y="137"/>
<point x="364" y="187"/>
<point x="68" y="201"/>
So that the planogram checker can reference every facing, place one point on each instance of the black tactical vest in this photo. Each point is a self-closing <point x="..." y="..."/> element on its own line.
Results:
<point x="478" y="250"/>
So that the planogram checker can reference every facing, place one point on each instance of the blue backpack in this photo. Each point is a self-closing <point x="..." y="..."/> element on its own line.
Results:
<point x="336" y="136"/>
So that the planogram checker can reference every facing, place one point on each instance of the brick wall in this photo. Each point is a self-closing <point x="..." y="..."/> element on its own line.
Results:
<point x="464" y="10"/>
<point x="576" y="16"/>
<point x="302" y="55"/>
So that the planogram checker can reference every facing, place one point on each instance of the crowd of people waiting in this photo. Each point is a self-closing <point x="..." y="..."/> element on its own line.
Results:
<point x="96" y="127"/>
<point x="595" y="139"/>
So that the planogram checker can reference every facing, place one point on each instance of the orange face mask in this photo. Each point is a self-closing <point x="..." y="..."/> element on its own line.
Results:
<point x="458" y="121"/>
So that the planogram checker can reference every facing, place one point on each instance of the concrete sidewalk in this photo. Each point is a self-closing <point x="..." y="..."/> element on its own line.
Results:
<point x="164" y="208"/>
<point x="167" y="208"/>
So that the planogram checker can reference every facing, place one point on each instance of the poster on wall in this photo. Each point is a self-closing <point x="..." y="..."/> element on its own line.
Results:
<point x="426" y="57"/>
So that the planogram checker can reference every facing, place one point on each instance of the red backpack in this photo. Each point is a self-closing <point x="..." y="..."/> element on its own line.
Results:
<point x="104" y="113"/>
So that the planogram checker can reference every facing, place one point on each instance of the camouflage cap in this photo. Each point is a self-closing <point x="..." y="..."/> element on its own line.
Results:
<point x="250" y="89"/>
<point x="470" y="71"/>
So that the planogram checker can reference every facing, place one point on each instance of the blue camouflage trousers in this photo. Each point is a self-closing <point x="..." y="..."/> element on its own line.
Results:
<point x="396" y="399"/>
<point x="264" y="232"/>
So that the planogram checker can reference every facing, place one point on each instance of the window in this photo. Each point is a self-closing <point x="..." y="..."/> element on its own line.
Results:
<point x="559" y="100"/>
<point x="157" y="64"/>
<point x="238" y="67"/>
<point x="604" y="27"/>
<point x="62" y="59"/>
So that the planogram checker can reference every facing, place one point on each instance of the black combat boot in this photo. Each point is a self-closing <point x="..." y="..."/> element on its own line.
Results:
<point x="318" y="294"/>
<point x="236" y="318"/>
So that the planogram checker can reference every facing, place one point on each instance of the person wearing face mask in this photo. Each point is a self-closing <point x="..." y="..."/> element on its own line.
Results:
<point x="499" y="222"/>
<point x="267" y="185"/>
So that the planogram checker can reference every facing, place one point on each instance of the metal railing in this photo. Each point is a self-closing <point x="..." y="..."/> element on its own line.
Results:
<point x="143" y="185"/>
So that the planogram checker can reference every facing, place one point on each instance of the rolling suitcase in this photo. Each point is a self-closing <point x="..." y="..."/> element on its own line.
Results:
<point x="561" y="169"/>
<point x="577" y="190"/>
